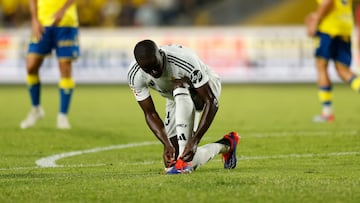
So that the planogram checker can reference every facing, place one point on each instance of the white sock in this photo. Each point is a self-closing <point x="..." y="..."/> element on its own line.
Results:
<point x="184" y="115"/>
<point x="207" y="152"/>
<point x="327" y="110"/>
<point x="196" y="120"/>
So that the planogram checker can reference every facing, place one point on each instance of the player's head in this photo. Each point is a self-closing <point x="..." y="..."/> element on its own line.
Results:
<point x="149" y="58"/>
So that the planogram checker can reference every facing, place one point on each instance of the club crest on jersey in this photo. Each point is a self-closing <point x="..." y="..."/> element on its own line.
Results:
<point x="196" y="77"/>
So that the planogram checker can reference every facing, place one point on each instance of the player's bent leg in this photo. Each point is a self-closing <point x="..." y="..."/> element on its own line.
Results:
<point x="226" y="146"/>
<point x="184" y="122"/>
<point x="354" y="82"/>
<point x="207" y="152"/>
<point x="197" y="117"/>
<point x="348" y="76"/>
<point x="184" y="116"/>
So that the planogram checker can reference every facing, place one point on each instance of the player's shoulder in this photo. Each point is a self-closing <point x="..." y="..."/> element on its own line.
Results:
<point x="179" y="53"/>
<point x="133" y="72"/>
<point x="133" y="66"/>
<point x="172" y="47"/>
<point x="176" y="50"/>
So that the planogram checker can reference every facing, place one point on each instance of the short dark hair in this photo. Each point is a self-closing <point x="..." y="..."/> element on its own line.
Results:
<point x="145" y="49"/>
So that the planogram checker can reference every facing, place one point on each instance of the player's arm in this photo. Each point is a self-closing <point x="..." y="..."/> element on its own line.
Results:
<point x="153" y="120"/>
<point x="37" y="28"/>
<point x="33" y="8"/>
<point x="60" y="13"/>
<point x="323" y="9"/>
<point x="210" y="108"/>
<point x="157" y="127"/>
<point x="314" y="18"/>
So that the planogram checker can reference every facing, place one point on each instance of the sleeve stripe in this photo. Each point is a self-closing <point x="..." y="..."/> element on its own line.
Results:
<point x="132" y="72"/>
<point x="181" y="63"/>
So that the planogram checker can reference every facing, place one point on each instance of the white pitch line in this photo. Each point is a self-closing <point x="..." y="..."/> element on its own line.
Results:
<point x="298" y="155"/>
<point x="299" y="133"/>
<point x="244" y="158"/>
<point x="281" y="156"/>
<point x="50" y="161"/>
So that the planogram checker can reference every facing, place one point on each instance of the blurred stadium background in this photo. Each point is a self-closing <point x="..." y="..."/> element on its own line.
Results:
<point x="244" y="40"/>
<point x="123" y="13"/>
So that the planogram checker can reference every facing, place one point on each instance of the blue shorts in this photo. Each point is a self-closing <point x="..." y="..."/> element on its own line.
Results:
<point x="336" y="48"/>
<point x="63" y="39"/>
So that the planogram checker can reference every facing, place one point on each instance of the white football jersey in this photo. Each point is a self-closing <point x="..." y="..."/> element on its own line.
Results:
<point x="180" y="62"/>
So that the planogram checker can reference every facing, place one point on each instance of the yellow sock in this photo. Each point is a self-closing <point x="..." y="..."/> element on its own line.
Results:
<point x="66" y="83"/>
<point x="325" y="97"/>
<point x="32" y="79"/>
<point x="34" y="88"/>
<point x="66" y="86"/>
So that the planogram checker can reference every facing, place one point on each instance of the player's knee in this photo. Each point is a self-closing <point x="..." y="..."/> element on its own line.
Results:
<point x="184" y="104"/>
<point x="181" y="91"/>
<point x="181" y="83"/>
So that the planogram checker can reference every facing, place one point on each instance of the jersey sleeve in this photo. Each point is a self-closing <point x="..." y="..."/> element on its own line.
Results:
<point x="187" y="64"/>
<point x="140" y="92"/>
<point x="137" y="83"/>
<point x="198" y="75"/>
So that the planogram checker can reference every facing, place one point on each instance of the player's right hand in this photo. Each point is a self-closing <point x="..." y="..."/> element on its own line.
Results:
<point x="169" y="155"/>
<point x="311" y="22"/>
<point x="37" y="30"/>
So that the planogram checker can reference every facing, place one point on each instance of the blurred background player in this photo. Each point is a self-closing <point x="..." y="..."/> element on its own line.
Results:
<point x="332" y="25"/>
<point x="54" y="26"/>
<point x="190" y="87"/>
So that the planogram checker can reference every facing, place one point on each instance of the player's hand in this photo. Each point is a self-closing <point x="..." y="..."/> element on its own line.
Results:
<point x="169" y="155"/>
<point x="189" y="150"/>
<point x="37" y="30"/>
<point x="311" y="22"/>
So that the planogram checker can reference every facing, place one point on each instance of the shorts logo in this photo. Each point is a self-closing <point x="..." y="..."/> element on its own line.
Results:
<point x="152" y="83"/>
<point x="181" y="137"/>
<point x="181" y="125"/>
<point x="196" y="77"/>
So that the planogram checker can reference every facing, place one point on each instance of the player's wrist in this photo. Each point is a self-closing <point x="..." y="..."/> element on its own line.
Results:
<point x="167" y="144"/>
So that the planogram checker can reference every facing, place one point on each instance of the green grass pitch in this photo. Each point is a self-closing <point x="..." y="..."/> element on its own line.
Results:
<point x="283" y="156"/>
